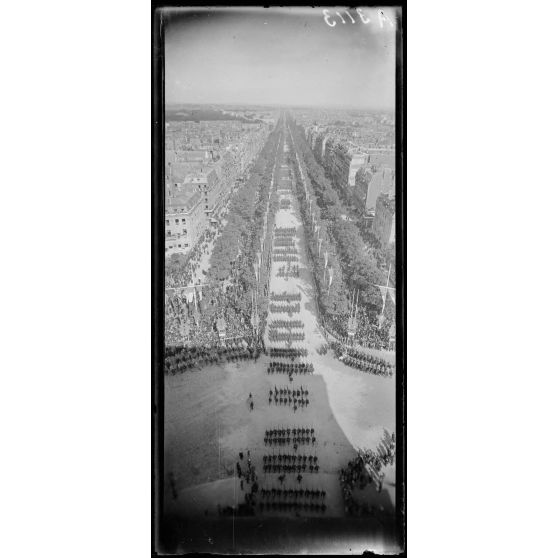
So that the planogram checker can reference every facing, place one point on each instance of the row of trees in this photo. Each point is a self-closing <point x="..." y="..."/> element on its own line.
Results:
<point x="245" y="214"/>
<point x="352" y="205"/>
<point x="332" y="299"/>
<point x="359" y="267"/>
<point x="235" y="251"/>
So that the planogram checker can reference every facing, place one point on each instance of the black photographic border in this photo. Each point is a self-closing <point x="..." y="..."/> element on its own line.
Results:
<point x="158" y="260"/>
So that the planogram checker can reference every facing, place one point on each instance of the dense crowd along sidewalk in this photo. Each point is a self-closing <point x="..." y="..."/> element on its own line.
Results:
<point x="364" y="470"/>
<point x="190" y="317"/>
<point x="180" y="270"/>
<point x="366" y="335"/>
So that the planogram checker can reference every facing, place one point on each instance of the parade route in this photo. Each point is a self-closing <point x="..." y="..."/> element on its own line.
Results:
<point x="217" y="417"/>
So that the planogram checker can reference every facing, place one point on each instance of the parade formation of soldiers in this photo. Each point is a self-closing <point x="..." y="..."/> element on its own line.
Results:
<point x="292" y="353"/>
<point x="293" y="499"/>
<point x="290" y="463"/>
<point x="289" y="324"/>
<point x="293" y="493"/>
<point x="288" y="397"/>
<point x="285" y="297"/>
<point x="180" y="359"/>
<point x="284" y="231"/>
<point x="289" y="271"/>
<point x="285" y="258"/>
<point x="368" y="363"/>
<point x="290" y="368"/>
<point x="284" y="308"/>
<point x="285" y="250"/>
<point x="288" y="336"/>
<point x="286" y="436"/>
<point x="284" y="241"/>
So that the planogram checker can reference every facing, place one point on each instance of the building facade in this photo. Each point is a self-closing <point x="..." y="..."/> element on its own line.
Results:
<point x="185" y="221"/>
<point x="383" y="225"/>
<point x="342" y="162"/>
<point x="203" y="161"/>
<point x="370" y="182"/>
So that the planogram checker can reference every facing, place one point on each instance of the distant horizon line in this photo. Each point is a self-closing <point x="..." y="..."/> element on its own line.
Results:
<point x="278" y="106"/>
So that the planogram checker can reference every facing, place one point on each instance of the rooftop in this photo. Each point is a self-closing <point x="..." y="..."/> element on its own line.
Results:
<point x="185" y="200"/>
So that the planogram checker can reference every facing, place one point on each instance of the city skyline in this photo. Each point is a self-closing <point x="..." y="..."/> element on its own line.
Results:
<point x="281" y="57"/>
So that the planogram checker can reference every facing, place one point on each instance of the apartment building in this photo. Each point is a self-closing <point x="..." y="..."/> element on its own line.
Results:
<point x="342" y="162"/>
<point x="383" y="225"/>
<point x="185" y="220"/>
<point x="370" y="182"/>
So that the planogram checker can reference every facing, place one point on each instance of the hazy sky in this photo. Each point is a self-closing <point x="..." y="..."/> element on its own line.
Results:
<point x="282" y="56"/>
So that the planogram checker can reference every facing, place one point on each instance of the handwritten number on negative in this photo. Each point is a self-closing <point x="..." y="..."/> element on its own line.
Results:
<point x="326" y="18"/>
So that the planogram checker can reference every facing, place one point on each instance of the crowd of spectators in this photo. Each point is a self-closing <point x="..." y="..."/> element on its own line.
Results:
<point x="364" y="469"/>
<point x="180" y="270"/>
<point x="367" y="334"/>
<point x="191" y="317"/>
